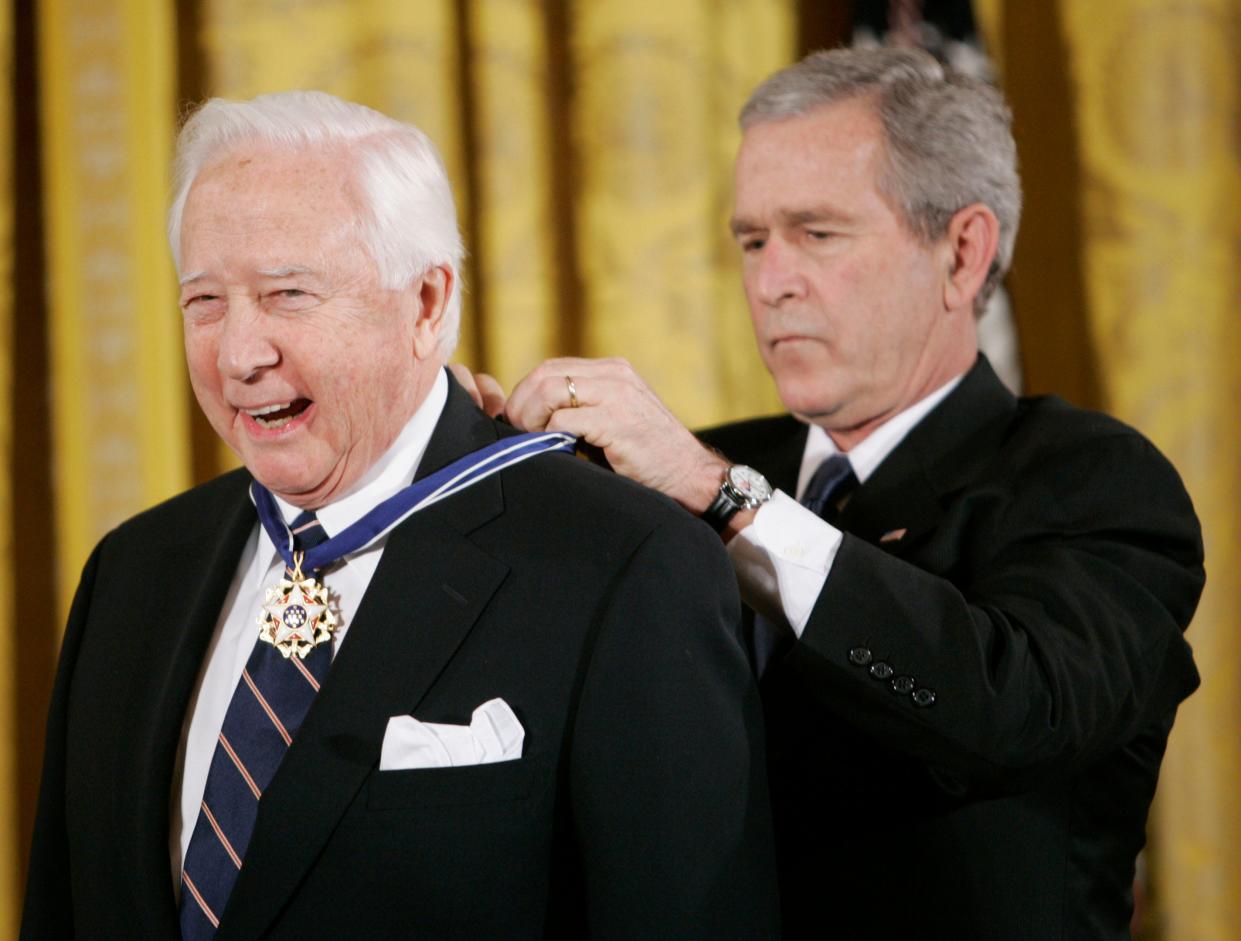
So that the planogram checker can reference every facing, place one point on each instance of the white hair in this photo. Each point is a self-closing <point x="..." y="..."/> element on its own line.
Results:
<point x="948" y="138"/>
<point x="408" y="221"/>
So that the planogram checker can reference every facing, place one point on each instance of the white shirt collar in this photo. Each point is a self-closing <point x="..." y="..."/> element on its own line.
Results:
<point x="871" y="451"/>
<point x="394" y="470"/>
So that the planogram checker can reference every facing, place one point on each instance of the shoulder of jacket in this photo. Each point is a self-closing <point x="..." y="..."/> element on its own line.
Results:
<point x="189" y="508"/>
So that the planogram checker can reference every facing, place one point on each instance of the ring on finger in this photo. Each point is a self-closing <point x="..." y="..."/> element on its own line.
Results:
<point x="573" y="402"/>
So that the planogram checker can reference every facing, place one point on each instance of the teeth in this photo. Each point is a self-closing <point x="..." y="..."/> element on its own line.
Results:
<point x="270" y="416"/>
<point x="275" y="423"/>
<point x="267" y="409"/>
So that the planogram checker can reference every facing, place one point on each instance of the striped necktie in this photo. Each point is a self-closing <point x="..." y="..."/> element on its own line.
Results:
<point x="267" y="708"/>
<point x="830" y="482"/>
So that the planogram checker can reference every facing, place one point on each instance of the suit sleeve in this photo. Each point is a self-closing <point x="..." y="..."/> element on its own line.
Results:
<point x="668" y="779"/>
<point x="48" y="910"/>
<point x="1050" y="636"/>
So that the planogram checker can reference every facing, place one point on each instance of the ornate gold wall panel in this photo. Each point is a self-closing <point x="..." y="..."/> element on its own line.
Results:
<point x="118" y="387"/>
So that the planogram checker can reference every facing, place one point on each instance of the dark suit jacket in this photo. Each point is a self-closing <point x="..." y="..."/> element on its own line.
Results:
<point x="1049" y="563"/>
<point x="593" y="607"/>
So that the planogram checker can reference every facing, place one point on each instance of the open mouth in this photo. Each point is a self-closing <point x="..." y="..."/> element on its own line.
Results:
<point x="279" y="414"/>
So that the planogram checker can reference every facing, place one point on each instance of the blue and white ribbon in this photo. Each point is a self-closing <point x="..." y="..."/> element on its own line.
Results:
<point x="419" y="495"/>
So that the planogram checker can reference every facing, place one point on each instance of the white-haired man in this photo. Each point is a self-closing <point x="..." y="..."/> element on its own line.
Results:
<point x="344" y="705"/>
<point x="972" y="622"/>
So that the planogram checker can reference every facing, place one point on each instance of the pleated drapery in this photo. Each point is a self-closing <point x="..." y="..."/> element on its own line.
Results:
<point x="589" y="143"/>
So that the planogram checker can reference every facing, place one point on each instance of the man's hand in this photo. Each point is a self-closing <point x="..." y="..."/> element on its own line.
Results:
<point x="485" y="390"/>
<point x="617" y="412"/>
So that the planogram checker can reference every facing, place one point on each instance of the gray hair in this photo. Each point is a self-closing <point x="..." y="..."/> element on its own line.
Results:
<point x="948" y="137"/>
<point x="408" y="222"/>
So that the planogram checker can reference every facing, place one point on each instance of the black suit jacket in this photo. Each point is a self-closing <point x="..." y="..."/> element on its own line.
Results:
<point x="1030" y="567"/>
<point x="593" y="607"/>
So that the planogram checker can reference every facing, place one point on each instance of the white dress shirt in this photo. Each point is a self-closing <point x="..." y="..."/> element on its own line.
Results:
<point x="784" y="557"/>
<point x="261" y="567"/>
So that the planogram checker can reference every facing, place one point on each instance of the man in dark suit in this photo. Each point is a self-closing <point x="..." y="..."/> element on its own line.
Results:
<point x="970" y="626"/>
<point x="523" y="732"/>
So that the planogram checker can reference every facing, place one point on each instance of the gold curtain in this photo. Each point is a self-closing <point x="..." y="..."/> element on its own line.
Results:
<point x="10" y="821"/>
<point x="1126" y="286"/>
<point x="589" y="143"/>
<point x="1158" y="94"/>
<point x="118" y="397"/>
<point x="655" y="118"/>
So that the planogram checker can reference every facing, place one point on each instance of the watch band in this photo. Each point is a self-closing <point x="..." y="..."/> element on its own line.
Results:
<point x="722" y="509"/>
<point x="747" y="491"/>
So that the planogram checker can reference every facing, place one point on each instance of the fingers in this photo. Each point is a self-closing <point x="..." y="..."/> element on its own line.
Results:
<point x="649" y="448"/>
<point x="621" y="415"/>
<point x="492" y="394"/>
<point x="547" y="390"/>
<point x="591" y="424"/>
<point x="484" y="389"/>
<point x="536" y="398"/>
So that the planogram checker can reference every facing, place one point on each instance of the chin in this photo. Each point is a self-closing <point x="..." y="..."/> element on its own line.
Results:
<point x="281" y="476"/>
<point x="805" y="398"/>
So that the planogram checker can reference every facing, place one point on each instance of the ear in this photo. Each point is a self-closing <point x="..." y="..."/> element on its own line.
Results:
<point x="432" y="291"/>
<point x="970" y="244"/>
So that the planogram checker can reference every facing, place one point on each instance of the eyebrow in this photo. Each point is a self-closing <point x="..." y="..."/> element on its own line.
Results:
<point x="284" y="272"/>
<point x="816" y="214"/>
<point x="742" y="226"/>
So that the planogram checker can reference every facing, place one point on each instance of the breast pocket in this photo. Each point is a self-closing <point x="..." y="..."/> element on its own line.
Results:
<point x="499" y="782"/>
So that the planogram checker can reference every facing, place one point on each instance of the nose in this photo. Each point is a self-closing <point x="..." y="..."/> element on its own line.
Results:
<point x="776" y="273"/>
<point x="246" y="344"/>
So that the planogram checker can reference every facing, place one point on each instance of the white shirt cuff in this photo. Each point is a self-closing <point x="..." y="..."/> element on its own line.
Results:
<point x="783" y="559"/>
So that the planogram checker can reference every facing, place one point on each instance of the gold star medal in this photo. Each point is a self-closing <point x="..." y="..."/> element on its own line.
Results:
<point x="296" y="617"/>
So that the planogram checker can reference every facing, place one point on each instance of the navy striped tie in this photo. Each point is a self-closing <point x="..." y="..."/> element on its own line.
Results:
<point x="831" y="480"/>
<point x="267" y="708"/>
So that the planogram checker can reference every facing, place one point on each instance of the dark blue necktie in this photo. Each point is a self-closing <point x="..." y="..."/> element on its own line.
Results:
<point x="267" y="708"/>
<point x="830" y="481"/>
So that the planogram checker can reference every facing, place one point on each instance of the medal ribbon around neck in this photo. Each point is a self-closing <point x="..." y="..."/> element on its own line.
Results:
<point x="296" y="615"/>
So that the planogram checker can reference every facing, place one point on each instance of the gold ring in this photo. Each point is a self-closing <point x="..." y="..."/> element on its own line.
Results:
<point x="573" y="402"/>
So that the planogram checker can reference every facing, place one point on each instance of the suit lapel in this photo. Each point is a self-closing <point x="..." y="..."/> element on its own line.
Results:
<point x="156" y="712"/>
<point x="430" y="587"/>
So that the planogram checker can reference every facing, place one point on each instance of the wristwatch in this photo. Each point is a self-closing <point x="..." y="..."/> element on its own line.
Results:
<point x="743" y="488"/>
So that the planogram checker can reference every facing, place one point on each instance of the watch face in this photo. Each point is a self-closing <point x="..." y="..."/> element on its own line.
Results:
<point x="749" y="484"/>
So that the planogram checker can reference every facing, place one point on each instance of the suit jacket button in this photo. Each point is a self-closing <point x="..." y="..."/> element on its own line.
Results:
<point x="924" y="697"/>
<point x="903" y="685"/>
<point x="859" y="656"/>
<point x="881" y="671"/>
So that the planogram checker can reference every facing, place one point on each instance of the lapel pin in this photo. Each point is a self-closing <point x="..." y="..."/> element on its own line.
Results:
<point x="894" y="535"/>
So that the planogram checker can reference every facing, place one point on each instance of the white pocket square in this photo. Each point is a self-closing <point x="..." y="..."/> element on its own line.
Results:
<point x="494" y="734"/>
